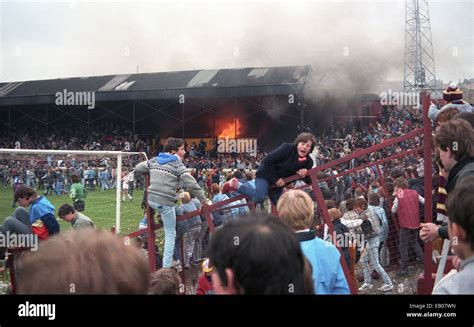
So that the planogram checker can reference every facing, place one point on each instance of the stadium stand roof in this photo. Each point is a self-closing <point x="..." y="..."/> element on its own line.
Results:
<point x="243" y="82"/>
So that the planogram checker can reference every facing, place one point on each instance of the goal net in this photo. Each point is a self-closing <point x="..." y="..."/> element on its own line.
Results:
<point x="111" y="189"/>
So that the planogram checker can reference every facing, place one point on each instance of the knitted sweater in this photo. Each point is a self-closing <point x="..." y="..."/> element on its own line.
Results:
<point x="167" y="173"/>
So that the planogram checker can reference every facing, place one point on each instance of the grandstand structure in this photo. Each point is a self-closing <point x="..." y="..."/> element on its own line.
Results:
<point x="183" y="103"/>
<point x="193" y="104"/>
<point x="425" y="283"/>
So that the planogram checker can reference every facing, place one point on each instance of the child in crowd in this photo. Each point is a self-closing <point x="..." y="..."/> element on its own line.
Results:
<point x="296" y="209"/>
<point x="187" y="230"/>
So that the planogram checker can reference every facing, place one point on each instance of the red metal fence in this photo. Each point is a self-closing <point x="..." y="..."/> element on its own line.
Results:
<point x="426" y="282"/>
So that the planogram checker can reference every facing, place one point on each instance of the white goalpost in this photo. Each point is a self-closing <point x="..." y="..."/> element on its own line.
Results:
<point x="117" y="154"/>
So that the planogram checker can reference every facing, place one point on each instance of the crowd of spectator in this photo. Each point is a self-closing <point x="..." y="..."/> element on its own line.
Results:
<point x="299" y="250"/>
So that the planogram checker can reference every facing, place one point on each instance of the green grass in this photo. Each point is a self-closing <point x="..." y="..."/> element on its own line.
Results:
<point x="100" y="207"/>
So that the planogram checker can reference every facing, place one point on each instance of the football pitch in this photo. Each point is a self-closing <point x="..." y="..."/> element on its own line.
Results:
<point x="100" y="207"/>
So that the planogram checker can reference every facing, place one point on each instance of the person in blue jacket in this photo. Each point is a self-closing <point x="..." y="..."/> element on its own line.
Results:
<point x="296" y="209"/>
<point x="285" y="161"/>
<point x="42" y="219"/>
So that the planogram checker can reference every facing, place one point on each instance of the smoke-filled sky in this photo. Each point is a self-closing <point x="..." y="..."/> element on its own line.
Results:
<point x="51" y="39"/>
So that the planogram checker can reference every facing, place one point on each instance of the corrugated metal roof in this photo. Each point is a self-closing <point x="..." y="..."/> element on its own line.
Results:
<point x="8" y="87"/>
<point x="258" y="72"/>
<point x="117" y="80"/>
<point x="219" y="82"/>
<point x="202" y="77"/>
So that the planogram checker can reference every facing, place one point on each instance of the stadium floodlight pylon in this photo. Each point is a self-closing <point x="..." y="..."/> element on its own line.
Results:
<point x="419" y="68"/>
<point x="11" y="153"/>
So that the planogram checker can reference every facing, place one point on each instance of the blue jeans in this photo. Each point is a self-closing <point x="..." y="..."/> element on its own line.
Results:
<point x="261" y="190"/>
<point x="168" y="216"/>
<point x="91" y="184"/>
<point x="372" y="255"/>
<point x="104" y="184"/>
<point x="59" y="188"/>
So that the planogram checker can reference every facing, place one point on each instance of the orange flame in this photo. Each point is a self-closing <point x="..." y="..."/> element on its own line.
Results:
<point x="231" y="130"/>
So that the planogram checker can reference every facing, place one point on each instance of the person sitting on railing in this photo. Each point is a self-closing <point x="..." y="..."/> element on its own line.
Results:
<point x="42" y="219"/>
<point x="18" y="223"/>
<point x="296" y="210"/>
<point x="285" y="161"/>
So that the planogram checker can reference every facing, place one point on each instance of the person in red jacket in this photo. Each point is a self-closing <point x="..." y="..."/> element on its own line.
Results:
<point x="408" y="211"/>
<point x="205" y="281"/>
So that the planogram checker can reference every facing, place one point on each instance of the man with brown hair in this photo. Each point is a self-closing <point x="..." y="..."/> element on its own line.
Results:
<point x="287" y="160"/>
<point x="445" y="116"/>
<point x="77" y="219"/>
<point x="455" y="144"/>
<point x="165" y="281"/>
<point x="87" y="261"/>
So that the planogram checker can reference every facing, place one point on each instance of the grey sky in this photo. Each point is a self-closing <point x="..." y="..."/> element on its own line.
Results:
<point x="48" y="39"/>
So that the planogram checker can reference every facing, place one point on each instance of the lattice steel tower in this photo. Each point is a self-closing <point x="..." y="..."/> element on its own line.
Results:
<point x="419" y="69"/>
